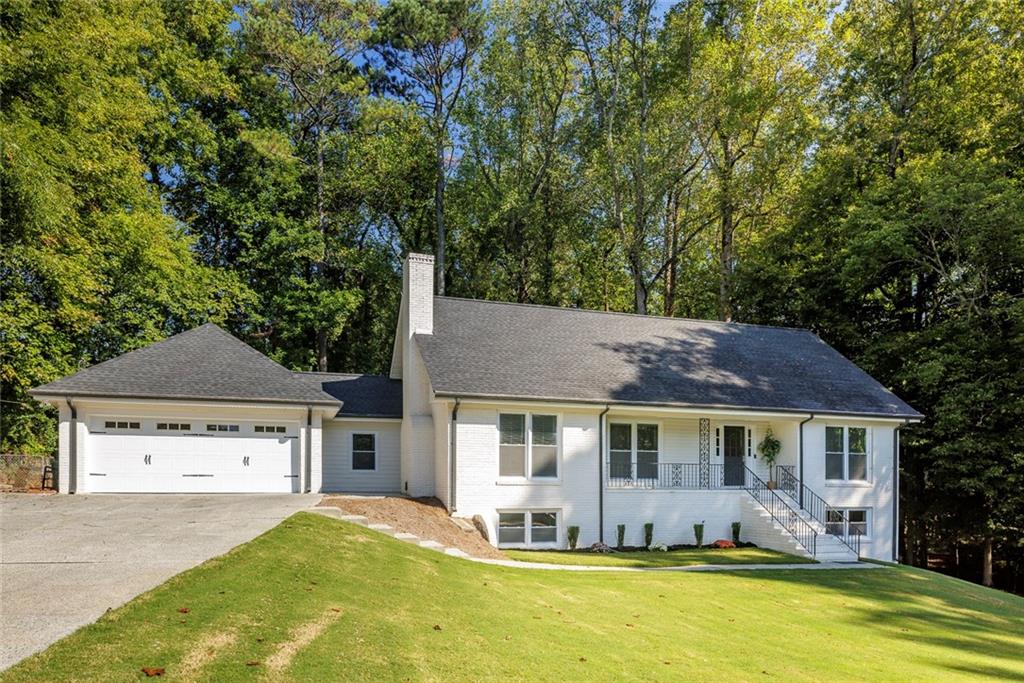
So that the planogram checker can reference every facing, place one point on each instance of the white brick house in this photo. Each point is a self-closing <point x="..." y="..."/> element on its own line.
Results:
<point x="532" y="419"/>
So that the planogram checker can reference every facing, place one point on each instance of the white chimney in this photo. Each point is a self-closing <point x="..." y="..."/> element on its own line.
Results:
<point x="418" y="293"/>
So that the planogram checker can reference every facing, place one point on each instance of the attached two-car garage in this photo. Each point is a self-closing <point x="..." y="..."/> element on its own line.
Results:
<point x="202" y="412"/>
<point x="186" y="455"/>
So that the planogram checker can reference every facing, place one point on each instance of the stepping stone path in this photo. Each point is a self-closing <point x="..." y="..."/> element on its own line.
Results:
<point x="337" y="513"/>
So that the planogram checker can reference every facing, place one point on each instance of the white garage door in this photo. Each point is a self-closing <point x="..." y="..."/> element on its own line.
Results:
<point x="133" y="455"/>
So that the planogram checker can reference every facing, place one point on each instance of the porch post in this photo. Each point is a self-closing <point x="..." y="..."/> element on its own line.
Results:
<point x="705" y="453"/>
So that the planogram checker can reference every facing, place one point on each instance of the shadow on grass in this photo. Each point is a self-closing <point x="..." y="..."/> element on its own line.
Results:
<point x="942" y="612"/>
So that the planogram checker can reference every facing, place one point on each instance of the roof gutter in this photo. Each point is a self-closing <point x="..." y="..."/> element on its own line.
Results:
<point x="896" y="491"/>
<point x="666" y="405"/>
<point x="453" y="459"/>
<point x="309" y="450"/>
<point x="800" y="496"/>
<point x="600" y="473"/>
<point x="72" y="449"/>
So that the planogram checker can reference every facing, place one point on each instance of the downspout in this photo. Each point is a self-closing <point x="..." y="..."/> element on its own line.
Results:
<point x="452" y="460"/>
<point x="308" y="487"/>
<point x="896" y="491"/>
<point x="600" y="473"/>
<point x="800" y="496"/>
<point x="72" y="449"/>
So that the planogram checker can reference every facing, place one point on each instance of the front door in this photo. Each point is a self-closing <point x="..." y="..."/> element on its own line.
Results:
<point x="732" y="450"/>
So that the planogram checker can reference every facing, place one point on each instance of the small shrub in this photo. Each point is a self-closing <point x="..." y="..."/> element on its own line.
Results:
<point x="658" y="547"/>
<point x="620" y="534"/>
<point x="735" y="532"/>
<point x="698" y="531"/>
<point x="722" y="543"/>
<point x="600" y="548"/>
<point x="574" y="537"/>
<point x="648" y="534"/>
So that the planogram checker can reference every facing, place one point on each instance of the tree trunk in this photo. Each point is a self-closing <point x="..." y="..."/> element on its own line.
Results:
<point x="671" y="258"/>
<point x="439" y="208"/>
<point x="726" y="217"/>
<point x="321" y="350"/>
<point x="319" y="270"/>
<point x="986" y="563"/>
<point x="639" y="292"/>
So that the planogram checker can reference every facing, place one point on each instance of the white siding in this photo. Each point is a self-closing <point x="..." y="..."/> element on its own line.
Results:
<point x="338" y="474"/>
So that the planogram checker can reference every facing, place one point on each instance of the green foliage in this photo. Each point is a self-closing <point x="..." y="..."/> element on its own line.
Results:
<point x="620" y="535"/>
<point x="736" y="532"/>
<point x="698" y="533"/>
<point x="648" y="534"/>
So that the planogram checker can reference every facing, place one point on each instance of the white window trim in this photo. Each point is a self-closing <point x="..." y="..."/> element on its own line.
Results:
<point x="868" y="516"/>
<point x="633" y="442"/>
<point x="352" y="450"/>
<point x="528" y="521"/>
<point x="528" y="477"/>
<point x="868" y="454"/>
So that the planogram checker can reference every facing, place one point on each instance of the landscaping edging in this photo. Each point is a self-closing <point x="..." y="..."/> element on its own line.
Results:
<point x="338" y="513"/>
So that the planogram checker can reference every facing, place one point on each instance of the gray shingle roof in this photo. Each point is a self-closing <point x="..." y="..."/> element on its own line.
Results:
<point x="203" y="363"/>
<point x="363" y="395"/>
<point x="489" y="349"/>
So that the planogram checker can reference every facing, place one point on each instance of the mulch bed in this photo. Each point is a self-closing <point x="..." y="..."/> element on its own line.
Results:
<point x="424" y="517"/>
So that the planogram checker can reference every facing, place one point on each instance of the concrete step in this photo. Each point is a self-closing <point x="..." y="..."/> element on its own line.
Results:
<point x="383" y="528"/>
<point x="355" y="519"/>
<point x="334" y="513"/>
<point x="455" y="552"/>
<point x="432" y="545"/>
<point x="409" y="538"/>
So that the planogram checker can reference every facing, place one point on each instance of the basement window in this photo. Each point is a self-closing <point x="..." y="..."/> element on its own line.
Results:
<point x="847" y="522"/>
<point x="528" y="528"/>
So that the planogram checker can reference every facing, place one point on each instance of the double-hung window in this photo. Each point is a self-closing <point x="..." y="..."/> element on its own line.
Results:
<point x="528" y="445"/>
<point x="364" y="451"/>
<point x="846" y="453"/>
<point x="632" y="451"/>
<point x="528" y="527"/>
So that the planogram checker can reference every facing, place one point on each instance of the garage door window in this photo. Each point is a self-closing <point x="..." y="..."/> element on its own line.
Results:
<point x="271" y="429"/>
<point x="364" y="451"/>
<point x="173" y="426"/>
<point x="222" y="428"/>
<point x="119" y="424"/>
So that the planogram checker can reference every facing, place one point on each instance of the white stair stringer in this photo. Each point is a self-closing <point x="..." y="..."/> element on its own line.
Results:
<point x="760" y="528"/>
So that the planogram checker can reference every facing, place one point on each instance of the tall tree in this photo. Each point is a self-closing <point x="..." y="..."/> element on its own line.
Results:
<point x="310" y="47"/>
<point x="516" y="183"/>
<point x="756" y="91"/>
<point x="427" y="47"/>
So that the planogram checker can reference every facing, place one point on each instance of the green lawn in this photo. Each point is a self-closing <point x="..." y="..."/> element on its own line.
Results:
<point x="316" y="599"/>
<point x="673" y="558"/>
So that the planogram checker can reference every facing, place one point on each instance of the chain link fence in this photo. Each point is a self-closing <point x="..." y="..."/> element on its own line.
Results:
<point x="26" y="472"/>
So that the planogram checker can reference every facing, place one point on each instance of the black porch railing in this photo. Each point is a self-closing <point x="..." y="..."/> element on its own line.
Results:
<point x="669" y="475"/>
<point x="782" y="512"/>
<point x="834" y="520"/>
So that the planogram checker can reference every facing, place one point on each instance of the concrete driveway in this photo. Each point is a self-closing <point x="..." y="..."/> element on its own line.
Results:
<point x="65" y="560"/>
